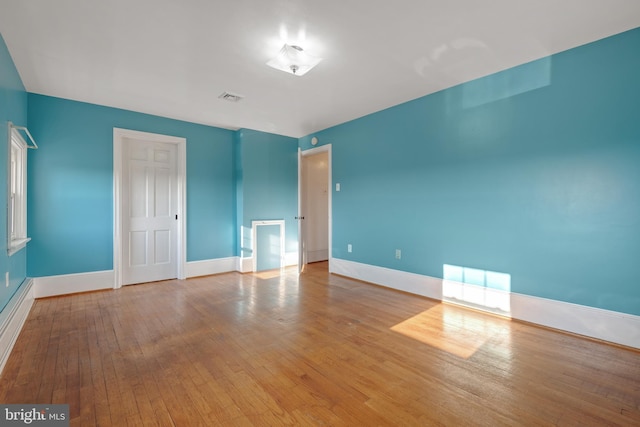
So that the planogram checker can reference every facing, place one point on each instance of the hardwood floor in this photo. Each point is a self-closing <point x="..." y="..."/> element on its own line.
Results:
<point x="265" y="349"/>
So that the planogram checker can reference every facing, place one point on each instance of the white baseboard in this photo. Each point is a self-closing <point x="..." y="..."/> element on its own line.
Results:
<point x="12" y="319"/>
<point x="316" y="256"/>
<point x="83" y="282"/>
<point x="245" y="265"/>
<point x="427" y="286"/>
<point x="212" y="266"/>
<point x="606" y="325"/>
<point x="72" y="283"/>
<point x="290" y="258"/>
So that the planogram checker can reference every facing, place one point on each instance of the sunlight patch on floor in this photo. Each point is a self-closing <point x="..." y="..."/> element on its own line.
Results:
<point x="457" y="331"/>
<point x="268" y="274"/>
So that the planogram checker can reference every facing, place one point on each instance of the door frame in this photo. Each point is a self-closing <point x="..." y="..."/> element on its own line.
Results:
<point x="118" y="163"/>
<point x="301" y="154"/>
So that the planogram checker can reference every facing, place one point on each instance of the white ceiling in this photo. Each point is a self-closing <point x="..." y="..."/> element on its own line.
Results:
<point x="173" y="58"/>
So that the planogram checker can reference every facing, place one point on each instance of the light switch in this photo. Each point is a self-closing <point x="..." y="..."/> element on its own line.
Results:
<point x="337" y="186"/>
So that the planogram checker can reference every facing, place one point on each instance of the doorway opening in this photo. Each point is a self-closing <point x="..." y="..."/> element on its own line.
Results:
<point x="314" y="206"/>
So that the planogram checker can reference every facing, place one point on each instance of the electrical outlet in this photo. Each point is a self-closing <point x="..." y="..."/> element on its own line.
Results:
<point x="6" y="279"/>
<point x="349" y="248"/>
<point x="398" y="254"/>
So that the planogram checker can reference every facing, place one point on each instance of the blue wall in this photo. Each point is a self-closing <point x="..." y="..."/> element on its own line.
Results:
<point x="533" y="172"/>
<point x="267" y="174"/>
<point x="71" y="185"/>
<point x="13" y="107"/>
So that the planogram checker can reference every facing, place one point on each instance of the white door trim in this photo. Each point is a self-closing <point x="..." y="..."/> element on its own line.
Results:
<point x="181" y="145"/>
<point x="311" y="152"/>
<point x="301" y="254"/>
<point x="254" y="240"/>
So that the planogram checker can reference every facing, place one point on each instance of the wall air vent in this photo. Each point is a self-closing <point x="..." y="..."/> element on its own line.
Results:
<point x="228" y="96"/>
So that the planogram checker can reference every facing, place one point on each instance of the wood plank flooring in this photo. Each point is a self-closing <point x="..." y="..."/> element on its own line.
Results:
<point x="269" y="349"/>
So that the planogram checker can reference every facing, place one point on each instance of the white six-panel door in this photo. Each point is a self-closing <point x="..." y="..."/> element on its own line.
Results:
<point x="149" y="207"/>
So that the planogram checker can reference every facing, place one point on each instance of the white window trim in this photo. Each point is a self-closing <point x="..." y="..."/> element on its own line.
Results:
<point x="16" y="217"/>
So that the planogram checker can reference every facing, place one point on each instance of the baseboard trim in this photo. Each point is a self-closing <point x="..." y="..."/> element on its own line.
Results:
<point x="419" y="284"/>
<point x="211" y="266"/>
<point x="317" y="256"/>
<point x="64" y="284"/>
<point x="12" y="319"/>
<point x="290" y="258"/>
<point x="245" y="265"/>
<point x="606" y="325"/>
<point x="84" y="282"/>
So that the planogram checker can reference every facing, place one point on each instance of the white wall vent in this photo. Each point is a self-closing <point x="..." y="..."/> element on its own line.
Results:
<point x="228" y="96"/>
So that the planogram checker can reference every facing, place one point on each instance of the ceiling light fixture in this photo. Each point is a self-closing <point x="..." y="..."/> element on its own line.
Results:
<point x="294" y="60"/>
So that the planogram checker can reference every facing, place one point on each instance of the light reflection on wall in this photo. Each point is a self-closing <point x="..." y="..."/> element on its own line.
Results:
<point x="527" y="77"/>
<point x="246" y="245"/>
<point x="466" y="60"/>
<point x="269" y="251"/>
<point x="482" y="289"/>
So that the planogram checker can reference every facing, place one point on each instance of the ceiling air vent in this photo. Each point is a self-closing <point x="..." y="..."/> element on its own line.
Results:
<point x="228" y="96"/>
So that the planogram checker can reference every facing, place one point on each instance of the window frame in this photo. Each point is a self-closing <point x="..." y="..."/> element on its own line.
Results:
<point x="16" y="192"/>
